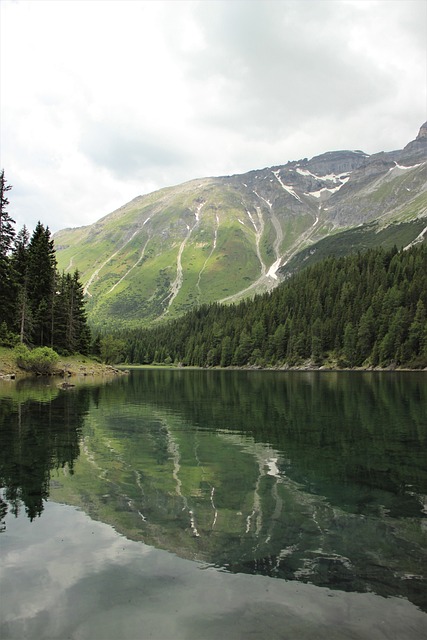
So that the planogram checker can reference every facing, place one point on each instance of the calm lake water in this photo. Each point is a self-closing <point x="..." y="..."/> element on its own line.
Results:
<point x="182" y="504"/>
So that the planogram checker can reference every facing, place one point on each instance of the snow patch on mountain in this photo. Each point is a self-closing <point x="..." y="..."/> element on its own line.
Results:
<point x="261" y="198"/>
<point x="251" y="219"/>
<point x="287" y="188"/>
<point x="272" y="272"/>
<point x="198" y="210"/>
<point x="401" y="166"/>
<point x="318" y="194"/>
<point x="331" y="177"/>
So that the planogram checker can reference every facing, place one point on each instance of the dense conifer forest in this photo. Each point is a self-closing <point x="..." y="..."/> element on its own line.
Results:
<point x="367" y="309"/>
<point x="39" y="307"/>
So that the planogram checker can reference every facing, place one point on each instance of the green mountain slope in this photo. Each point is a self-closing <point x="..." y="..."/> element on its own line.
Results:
<point x="227" y="238"/>
<point x="360" y="238"/>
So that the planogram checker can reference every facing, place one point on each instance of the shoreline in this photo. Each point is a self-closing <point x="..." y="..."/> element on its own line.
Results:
<point x="83" y="366"/>
<point x="66" y="368"/>
<point x="301" y="368"/>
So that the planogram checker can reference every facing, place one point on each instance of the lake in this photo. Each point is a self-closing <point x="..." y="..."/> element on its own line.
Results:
<point x="187" y="504"/>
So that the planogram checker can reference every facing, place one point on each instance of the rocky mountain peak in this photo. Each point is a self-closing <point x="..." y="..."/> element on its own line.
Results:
<point x="337" y="162"/>
<point x="422" y="134"/>
<point x="416" y="150"/>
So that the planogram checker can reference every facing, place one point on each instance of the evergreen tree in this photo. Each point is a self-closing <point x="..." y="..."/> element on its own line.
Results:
<point x="23" y="318"/>
<point x="35" y="302"/>
<point x="316" y="341"/>
<point x="365" y="335"/>
<point x="41" y="284"/>
<point x="418" y="331"/>
<point x="78" y="329"/>
<point x="71" y="333"/>
<point x="7" y="234"/>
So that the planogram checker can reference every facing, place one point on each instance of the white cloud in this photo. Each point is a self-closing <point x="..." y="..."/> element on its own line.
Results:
<point x="103" y="100"/>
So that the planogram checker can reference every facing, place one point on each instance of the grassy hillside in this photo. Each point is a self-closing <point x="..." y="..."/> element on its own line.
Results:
<point x="224" y="239"/>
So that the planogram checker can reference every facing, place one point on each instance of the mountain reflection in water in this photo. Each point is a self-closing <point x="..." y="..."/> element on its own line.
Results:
<point x="315" y="477"/>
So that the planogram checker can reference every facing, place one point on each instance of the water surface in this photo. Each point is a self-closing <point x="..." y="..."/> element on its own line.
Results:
<point x="208" y="503"/>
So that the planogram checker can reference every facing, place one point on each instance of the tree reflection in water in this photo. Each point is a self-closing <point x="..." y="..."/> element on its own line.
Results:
<point x="40" y="430"/>
<point x="316" y="477"/>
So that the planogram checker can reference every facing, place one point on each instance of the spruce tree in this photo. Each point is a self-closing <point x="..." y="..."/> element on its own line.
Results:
<point x="41" y="284"/>
<point x="23" y="315"/>
<point x="71" y="333"/>
<point x="7" y="234"/>
<point x="77" y="332"/>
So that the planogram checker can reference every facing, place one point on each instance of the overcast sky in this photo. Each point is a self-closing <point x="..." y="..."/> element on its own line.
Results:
<point x="102" y="101"/>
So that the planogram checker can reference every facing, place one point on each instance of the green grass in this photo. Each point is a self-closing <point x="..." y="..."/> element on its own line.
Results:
<point x="7" y="361"/>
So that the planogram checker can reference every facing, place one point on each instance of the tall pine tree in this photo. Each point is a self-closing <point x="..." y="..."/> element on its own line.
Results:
<point x="41" y="285"/>
<point x="71" y="333"/>
<point x="23" y="314"/>
<point x="7" y="233"/>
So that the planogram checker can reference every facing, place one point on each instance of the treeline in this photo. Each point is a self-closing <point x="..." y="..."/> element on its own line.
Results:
<point x="39" y="307"/>
<point x="367" y="309"/>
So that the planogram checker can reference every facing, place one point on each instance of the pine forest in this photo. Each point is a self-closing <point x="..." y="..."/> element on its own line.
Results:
<point x="39" y="307"/>
<point x="367" y="309"/>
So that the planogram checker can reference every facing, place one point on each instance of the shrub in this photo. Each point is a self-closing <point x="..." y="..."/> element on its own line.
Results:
<point x="41" y="360"/>
<point x="22" y="355"/>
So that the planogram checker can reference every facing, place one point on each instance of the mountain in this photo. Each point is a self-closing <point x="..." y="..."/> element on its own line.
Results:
<point x="225" y="238"/>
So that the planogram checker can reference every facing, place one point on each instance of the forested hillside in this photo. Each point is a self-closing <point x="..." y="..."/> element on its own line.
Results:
<point x="368" y="309"/>
<point x="39" y="306"/>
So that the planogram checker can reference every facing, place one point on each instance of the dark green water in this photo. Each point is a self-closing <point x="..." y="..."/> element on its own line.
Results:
<point x="207" y="503"/>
